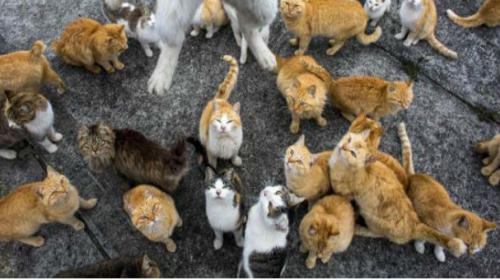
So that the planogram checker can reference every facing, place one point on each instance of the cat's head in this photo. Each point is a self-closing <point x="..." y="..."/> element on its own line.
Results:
<point x="225" y="118"/>
<point x="316" y="230"/>
<point x="399" y="94"/>
<point x="274" y="203"/>
<point x="293" y="8"/>
<point x="97" y="145"/>
<point x="374" y="5"/>
<point x="298" y="158"/>
<point x="362" y="124"/>
<point x="414" y="2"/>
<point x="113" y="40"/>
<point x="54" y="189"/>
<point x="226" y="187"/>
<point x="354" y="149"/>
<point x="147" y="213"/>
<point x="304" y="96"/>
<point x="149" y="268"/>
<point x="471" y="229"/>
<point x="21" y="108"/>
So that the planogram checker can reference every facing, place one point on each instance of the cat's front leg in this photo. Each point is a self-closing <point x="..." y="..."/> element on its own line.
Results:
<point x="295" y="125"/>
<point x="412" y="37"/>
<point x="170" y="245"/>
<point x="401" y="34"/>
<point x="196" y="30"/>
<point x="303" y="45"/>
<point x="74" y="222"/>
<point x="259" y="48"/>
<point x="88" y="204"/>
<point x="107" y="66"/>
<point x="210" y="31"/>
<point x="117" y="63"/>
<point x="48" y="146"/>
<point x="326" y="257"/>
<point x="219" y="239"/>
<point x="147" y="49"/>
<point x="439" y="253"/>
<point x="238" y="237"/>
<point x="54" y="136"/>
<point x="338" y="44"/>
<point x="311" y="260"/>
<point x="8" y="154"/>
<point x="35" y="241"/>
<point x="93" y="68"/>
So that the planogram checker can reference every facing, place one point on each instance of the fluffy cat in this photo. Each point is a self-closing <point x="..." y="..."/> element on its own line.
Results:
<point x="310" y="18"/>
<point x="375" y="9"/>
<point x="133" y="155"/>
<point x="220" y="130"/>
<point x="488" y="14"/>
<point x="436" y="209"/>
<point x="122" y="267"/>
<point x="265" y="251"/>
<point x="383" y="203"/>
<point x="492" y="162"/>
<point x="419" y="20"/>
<point x="304" y="92"/>
<point x="139" y="22"/>
<point x="32" y="113"/>
<point x="28" y="71"/>
<point x="87" y="43"/>
<point x="326" y="229"/>
<point x="28" y="207"/>
<point x="307" y="175"/>
<point x="8" y="136"/>
<point x="211" y="16"/>
<point x="153" y="213"/>
<point x="364" y="94"/>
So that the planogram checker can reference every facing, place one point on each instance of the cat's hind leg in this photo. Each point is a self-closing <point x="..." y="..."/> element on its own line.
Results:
<point x="335" y="47"/>
<point x="419" y="246"/>
<point x="53" y="78"/>
<point x="48" y="146"/>
<point x="219" y="239"/>
<point x="74" y="222"/>
<point x="88" y="204"/>
<point x="8" y="154"/>
<point x="35" y="241"/>
<point x="401" y="34"/>
<point x="439" y="253"/>
<point x="366" y="232"/>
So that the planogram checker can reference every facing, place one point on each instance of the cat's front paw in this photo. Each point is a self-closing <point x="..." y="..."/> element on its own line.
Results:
<point x="51" y="148"/>
<point x="171" y="246"/>
<point x="294" y="128"/>
<point x="420" y="247"/>
<point x="149" y="53"/>
<point x="399" y="36"/>
<point x="311" y="262"/>
<point x="8" y="154"/>
<point x="294" y="42"/>
<point x="486" y="171"/>
<point x="56" y="137"/>
<point x="439" y="253"/>
<point x="236" y="161"/>
<point x="407" y="42"/>
<point x="217" y="243"/>
<point x="321" y="121"/>
<point x="89" y="204"/>
<point x="194" y="33"/>
<point x="494" y="179"/>
<point x="38" y="241"/>
<point x="118" y="65"/>
<point x="78" y="225"/>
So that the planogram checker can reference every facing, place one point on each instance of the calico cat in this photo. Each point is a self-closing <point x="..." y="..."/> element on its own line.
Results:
<point x="307" y="19"/>
<point x="30" y="112"/>
<point x="304" y="92"/>
<point x="364" y="94"/>
<point x="211" y="16"/>
<point x="87" y="43"/>
<point x="307" y="174"/>
<point x="133" y="155"/>
<point x="488" y="14"/>
<point x="122" y="267"/>
<point x="436" y="209"/>
<point x="28" y="207"/>
<point x="266" y="257"/>
<point x="383" y="203"/>
<point x="419" y="20"/>
<point x="8" y="136"/>
<point x="492" y="162"/>
<point x="326" y="229"/>
<point x="28" y="71"/>
<point x="139" y="22"/>
<point x="375" y="9"/>
<point x="153" y="213"/>
<point x="220" y="129"/>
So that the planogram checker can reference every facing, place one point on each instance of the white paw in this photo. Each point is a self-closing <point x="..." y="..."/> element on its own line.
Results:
<point x="420" y="247"/>
<point x="373" y="23"/>
<point x="51" y="148"/>
<point x="159" y="82"/>
<point x="194" y="33"/>
<point x="8" y="154"/>
<point x="149" y="53"/>
<point x="266" y="59"/>
<point x="407" y="43"/>
<point x="399" y="36"/>
<point x="236" y="161"/>
<point x="217" y="243"/>
<point x="439" y="253"/>
<point x="209" y="35"/>
<point x="56" y="137"/>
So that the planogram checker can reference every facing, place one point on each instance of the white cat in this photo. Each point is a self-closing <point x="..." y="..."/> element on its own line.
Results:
<point x="375" y="9"/>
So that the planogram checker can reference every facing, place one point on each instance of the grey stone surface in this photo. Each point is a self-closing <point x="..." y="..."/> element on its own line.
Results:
<point x="442" y="123"/>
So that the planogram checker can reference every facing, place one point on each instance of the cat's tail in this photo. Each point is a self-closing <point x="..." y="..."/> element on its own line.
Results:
<point x="425" y="233"/>
<point x="37" y="49"/>
<point x="110" y="8"/>
<point x="319" y="71"/>
<point x="442" y="49"/>
<point x="406" y="147"/>
<point x="467" y="22"/>
<point x="366" y="39"/>
<point x="229" y="82"/>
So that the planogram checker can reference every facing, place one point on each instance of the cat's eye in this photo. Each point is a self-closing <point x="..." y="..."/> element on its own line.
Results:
<point x="229" y="121"/>
<point x="279" y="193"/>
<point x="219" y="121"/>
<point x="353" y="154"/>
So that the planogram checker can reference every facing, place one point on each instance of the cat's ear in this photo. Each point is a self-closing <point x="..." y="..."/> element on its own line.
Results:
<point x="462" y="221"/>
<point x="301" y="141"/>
<point x="121" y="28"/>
<point x="229" y="174"/>
<point x="209" y="175"/>
<point x="488" y="226"/>
<point x="237" y="108"/>
<point x="366" y="133"/>
<point x="311" y="90"/>
<point x="410" y="83"/>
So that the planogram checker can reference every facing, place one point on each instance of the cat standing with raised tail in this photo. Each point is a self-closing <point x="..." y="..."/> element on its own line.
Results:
<point x="488" y="14"/>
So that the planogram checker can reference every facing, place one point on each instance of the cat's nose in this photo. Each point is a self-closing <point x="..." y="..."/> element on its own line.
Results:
<point x="217" y="192"/>
<point x="223" y="128"/>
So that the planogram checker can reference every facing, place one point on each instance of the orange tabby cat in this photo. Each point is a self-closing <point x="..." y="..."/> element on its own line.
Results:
<point x="326" y="229"/>
<point x="153" y="213"/>
<point x="28" y="207"/>
<point x="339" y="21"/>
<point x="28" y="71"/>
<point x="304" y="92"/>
<point x="87" y="43"/>
<point x="211" y="16"/>
<point x="488" y="14"/>
<point x="492" y="162"/>
<point x="364" y="94"/>
<point x="436" y="209"/>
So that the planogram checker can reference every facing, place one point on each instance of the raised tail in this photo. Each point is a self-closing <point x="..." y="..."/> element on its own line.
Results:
<point x="456" y="246"/>
<point x="406" y="148"/>
<point x="111" y="8"/>
<point x="318" y="70"/>
<point x="37" y="49"/>
<point x="200" y="150"/>
<point x="442" y="49"/>
<point x="467" y="22"/>
<point x="366" y="39"/>
<point x="227" y="86"/>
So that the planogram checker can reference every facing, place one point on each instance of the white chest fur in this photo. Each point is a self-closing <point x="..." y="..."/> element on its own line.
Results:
<point x="225" y="146"/>
<point x="42" y="123"/>
<point x="410" y="14"/>
<point x="221" y="213"/>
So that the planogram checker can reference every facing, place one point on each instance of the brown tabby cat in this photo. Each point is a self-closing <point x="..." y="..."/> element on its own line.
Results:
<point x="492" y="162"/>
<point x="436" y="209"/>
<point x="339" y="21"/>
<point x="364" y="94"/>
<point x="28" y="71"/>
<point x="304" y="92"/>
<point x="87" y="43"/>
<point x="355" y="173"/>
<point x="28" y="207"/>
<point x="326" y="229"/>
<point x="153" y="213"/>
<point x="488" y="14"/>
<point x="133" y="155"/>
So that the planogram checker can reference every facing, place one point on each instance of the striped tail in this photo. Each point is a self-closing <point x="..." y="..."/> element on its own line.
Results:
<point x="229" y="82"/>
<point x="366" y="39"/>
<point x="442" y="49"/>
<point x="467" y="22"/>
<point x="406" y="147"/>
<point x="319" y="71"/>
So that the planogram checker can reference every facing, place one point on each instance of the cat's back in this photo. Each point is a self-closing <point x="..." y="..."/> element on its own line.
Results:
<point x="329" y="17"/>
<point x="82" y="25"/>
<point x="425" y="192"/>
<point x="291" y="68"/>
<point x="20" y="210"/>
<point x="338" y="206"/>
<point x="76" y="36"/>
<point x="394" y="165"/>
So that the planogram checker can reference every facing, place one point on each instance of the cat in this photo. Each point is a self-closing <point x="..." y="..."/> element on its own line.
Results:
<point x="211" y="16"/>
<point x="220" y="129"/>
<point x="383" y="203"/>
<point x="8" y="136"/>
<point x="375" y="9"/>
<point x="28" y="71"/>
<point x="304" y="92"/>
<point x="491" y="163"/>
<point x="419" y="20"/>
<point x="24" y="210"/>
<point x="122" y="267"/>
<point x="488" y="14"/>
<point x="153" y="213"/>
<point x="307" y="175"/>
<point x="133" y="155"/>
<point x="311" y="18"/>
<point x="265" y="250"/>
<point x="326" y="229"/>
<point x="29" y="112"/>
<point x="436" y="209"/>
<point x="139" y="22"/>
<point x="87" y="43"/>
<point x="365" y="94"/>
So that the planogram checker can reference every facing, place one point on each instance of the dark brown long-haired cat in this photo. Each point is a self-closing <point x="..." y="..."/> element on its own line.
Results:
<point x="133" y="155"/>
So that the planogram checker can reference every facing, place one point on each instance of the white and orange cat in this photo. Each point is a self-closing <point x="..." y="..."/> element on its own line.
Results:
<point x="211" y="16"/>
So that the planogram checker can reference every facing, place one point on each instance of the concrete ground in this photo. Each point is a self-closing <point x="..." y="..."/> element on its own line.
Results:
<point x="456" y="103"/>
